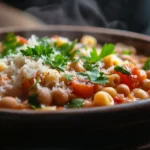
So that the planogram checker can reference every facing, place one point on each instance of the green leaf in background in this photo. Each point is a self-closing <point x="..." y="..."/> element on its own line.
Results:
<point x="147" y="65"/>
<point x="90" y="62"/>
<point x="34" y="85"/>
<point x="75" y="103"/>
<point x="68" y="77"/>
<point x="127" y="52"/>
<point x="122" y="70"/>
<point x="9" y="45"/>
<point x="33" y="101"/>
<point x="107" y="49"/>
<point x="95" y="76"/>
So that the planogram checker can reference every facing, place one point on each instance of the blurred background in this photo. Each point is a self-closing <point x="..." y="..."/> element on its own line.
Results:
<point x="131" y="15"/>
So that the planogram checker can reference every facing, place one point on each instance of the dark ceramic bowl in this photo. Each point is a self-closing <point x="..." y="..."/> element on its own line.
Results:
<point x="74" y="127"/>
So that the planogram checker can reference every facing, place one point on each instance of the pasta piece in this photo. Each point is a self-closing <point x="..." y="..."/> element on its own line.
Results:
<point x="110" y="90"/>
<point x="141" y="94"/>
<point x="112" y="60"/>
<point x="103" y="99"/>
<point x="114" y="80"/>
<point x="3" y="66"/>
<point x="88" y="40"/>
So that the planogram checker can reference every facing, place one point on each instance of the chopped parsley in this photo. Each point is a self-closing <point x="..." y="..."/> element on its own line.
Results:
<point x="90" y="62"/>
<point x="122" y="70"/>
<point x="66" y="49"/>
<point x="107" y="49"/>
<point x="75" y="103"/>
<point x="127" y="52"/>
<point x="9" y="45"/>
<point x="35" y="84"/>
<point x="59" y="62"/>
<point x="38" y="51"/>
<point x="48" y="54"/>
<point x="68" y="77"/>
<point x="33" y="101"/>
<point x="94" y="57"/>
<point x="147" y="65"/>
<point x="56" y="57"/>
<point x="88" y="65"/>
<point x="95" y="76"/>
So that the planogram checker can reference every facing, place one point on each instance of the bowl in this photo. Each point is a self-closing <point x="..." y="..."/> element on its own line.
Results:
<point x="73" y="127"/>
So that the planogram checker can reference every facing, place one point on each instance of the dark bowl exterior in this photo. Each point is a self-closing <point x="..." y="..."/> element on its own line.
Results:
<point x="109" y="124"/>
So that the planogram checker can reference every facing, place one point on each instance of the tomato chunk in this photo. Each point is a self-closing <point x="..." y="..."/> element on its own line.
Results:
<point x="81" y="89"/>
<point x="119" y="99"/>
<point x="133" y="80"/>
<point x="21" y="40"/>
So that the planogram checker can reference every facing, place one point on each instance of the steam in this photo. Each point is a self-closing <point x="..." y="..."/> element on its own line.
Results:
<point x="80" y="12"/>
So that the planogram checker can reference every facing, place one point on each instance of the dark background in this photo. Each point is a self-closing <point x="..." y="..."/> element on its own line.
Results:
<point x="132" y="15"/>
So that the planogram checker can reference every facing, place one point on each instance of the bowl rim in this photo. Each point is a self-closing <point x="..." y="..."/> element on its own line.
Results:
<point x="89" y="29"/>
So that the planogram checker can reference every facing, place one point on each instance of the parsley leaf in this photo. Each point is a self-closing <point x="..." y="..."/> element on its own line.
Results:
<point x="107" y="49"/>
<point x="38" y="51"/>
<point x="88" y="65"/>
<point x="68" y="76"/>
<point x="75" y="103"/>
<point x="122" y="70"/>
<point x="90" y="62"/>
<point x="45" y="51"/>
<point x="66" y="48"/>
<point x="33" y="101"/>
<point x="127" y="52"/>
<point x="95" y="76"/>
<point x="55" y="57"/>
<point x="35" y="84"/>
<point x="9" y="45"/>
<point x="59" y="62"/>
<point x="147" y="65"/>
<point x="94" y="57"/>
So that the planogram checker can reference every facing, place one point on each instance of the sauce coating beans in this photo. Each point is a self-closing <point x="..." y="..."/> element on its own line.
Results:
<point x="9" y="102"/>
<point x="44" y="96"/>
<point x="139" y="93"/>
<point x="103" y="99"/>
<point x="55" y="73"/>
<point x="60" y="97"/>
<point x="123" y="89"/>
<point x="110" y="91"/>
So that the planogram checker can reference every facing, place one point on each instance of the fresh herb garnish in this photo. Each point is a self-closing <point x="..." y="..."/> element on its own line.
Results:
<point x="107" y="49"/>
<point x="9" y="45"/>
<point x="94" y="57"/>
<point x="95" y="76"/>
<point x="66" y="49"/>
<point x="57" y="58"/>
<point x="147" y="65"/>
<point x="34" y="85"/>
<point x="59" y="62"/>
<point x="75" y="60"/>
<point x="75" y="103"/>
<point x="68" y="77"/>
<point x="89" y="66"/>
<point x="127" y="52"/>
<point x="46" y="51"/>
<point x="33" y="101"/>
<point x="38" y="51"/>
<point x="122" y="70"/>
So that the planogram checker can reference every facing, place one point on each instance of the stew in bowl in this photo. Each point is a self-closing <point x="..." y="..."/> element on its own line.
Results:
<point x="56" y="73"/>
